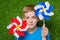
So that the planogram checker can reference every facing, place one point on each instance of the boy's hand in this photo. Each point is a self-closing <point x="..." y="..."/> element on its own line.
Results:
<point x="44" y="30"/>
<point x="43" y="38"/>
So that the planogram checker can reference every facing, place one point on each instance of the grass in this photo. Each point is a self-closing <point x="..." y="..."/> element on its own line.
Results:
<point x="13" y="8"/>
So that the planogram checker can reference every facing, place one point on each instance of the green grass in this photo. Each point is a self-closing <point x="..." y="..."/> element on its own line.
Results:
<point x="13" y="8"/>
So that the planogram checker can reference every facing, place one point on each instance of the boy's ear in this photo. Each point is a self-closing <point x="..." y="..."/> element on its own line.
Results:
<point x="22" y="18"/>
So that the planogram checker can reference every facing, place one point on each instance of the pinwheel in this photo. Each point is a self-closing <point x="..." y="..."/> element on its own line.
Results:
<point x="43" y="11"/>
<point x="17" y="27"/>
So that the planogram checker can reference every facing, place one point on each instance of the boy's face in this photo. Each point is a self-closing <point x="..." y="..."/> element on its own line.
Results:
<point x="31" y="19"/>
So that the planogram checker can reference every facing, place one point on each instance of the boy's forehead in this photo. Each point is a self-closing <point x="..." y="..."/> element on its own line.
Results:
<point x="31" y="13"/>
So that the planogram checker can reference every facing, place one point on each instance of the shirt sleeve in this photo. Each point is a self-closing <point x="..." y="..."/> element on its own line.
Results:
<point x="20" y="38"/>
<point x="48" y="36"/>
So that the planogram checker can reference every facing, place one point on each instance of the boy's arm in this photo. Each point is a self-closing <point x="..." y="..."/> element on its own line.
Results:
<point x="44" y="30"/>
<point x="48" y="36"/>
<point x="45" y="33"/>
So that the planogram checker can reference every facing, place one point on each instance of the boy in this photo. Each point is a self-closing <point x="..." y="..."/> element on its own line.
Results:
<point x="33" y="32"/>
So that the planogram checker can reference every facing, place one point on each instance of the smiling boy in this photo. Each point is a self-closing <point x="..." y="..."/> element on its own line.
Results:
<point x="33" y="32"/>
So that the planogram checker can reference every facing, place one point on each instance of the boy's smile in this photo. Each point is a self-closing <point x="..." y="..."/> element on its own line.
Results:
<point x="31" y="19"/>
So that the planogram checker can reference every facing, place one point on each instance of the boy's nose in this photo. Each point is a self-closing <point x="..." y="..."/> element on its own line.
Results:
<point x="31" y="21"/>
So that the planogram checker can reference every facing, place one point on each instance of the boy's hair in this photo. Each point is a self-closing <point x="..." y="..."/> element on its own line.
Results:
<point x="28" y="8"/>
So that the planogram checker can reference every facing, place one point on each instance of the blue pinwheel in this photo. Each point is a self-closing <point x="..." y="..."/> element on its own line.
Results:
<point x="43" y="10"/>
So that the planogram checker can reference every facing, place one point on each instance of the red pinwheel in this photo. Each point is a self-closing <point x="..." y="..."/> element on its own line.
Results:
<point x="17" y="27"/>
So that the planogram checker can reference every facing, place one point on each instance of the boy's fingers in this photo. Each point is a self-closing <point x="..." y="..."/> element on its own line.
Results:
<point x="44" y="31"/>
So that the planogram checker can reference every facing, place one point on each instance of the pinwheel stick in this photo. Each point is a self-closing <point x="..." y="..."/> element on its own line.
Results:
<point x="44" y="22"/>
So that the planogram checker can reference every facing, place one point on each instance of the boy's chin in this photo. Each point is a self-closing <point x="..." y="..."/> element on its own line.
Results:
<point x="31" y="26"/>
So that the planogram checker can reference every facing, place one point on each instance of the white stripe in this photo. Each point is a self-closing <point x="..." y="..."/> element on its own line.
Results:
<point x="26" y="28"/>
<point x="14" y="30"/>
<point x="49" y="14"/>
<point x="14" y="23"/>
<point x="16" y="34"/>
<point x="9" y="26"/>
<point x="40" y="11"/>
<point x="47" y="5"/>
<point x="19" y="19"/>
<point x="38" y="6"/>
<point x="40" y="17"/>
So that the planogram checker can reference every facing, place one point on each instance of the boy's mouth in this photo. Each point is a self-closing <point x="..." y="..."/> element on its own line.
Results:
<point x="30" y="24"/>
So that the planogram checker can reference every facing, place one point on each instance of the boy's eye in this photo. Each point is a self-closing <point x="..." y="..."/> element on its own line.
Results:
<point x="27" y="17"/>
<point x="34" y="17"/>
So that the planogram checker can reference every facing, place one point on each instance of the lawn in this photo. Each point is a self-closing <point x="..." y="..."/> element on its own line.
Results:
<point x="13" y="8"/>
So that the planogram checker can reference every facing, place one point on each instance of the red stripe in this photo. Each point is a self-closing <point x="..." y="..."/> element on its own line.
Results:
<point x="24" y="23"/>
<point x="20" y="33"/>
<point x="12" y="29"/>
<point x="15" y="20"/>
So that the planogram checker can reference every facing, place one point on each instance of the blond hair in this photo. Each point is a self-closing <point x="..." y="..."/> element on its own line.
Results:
<point x="28" y="8"/>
